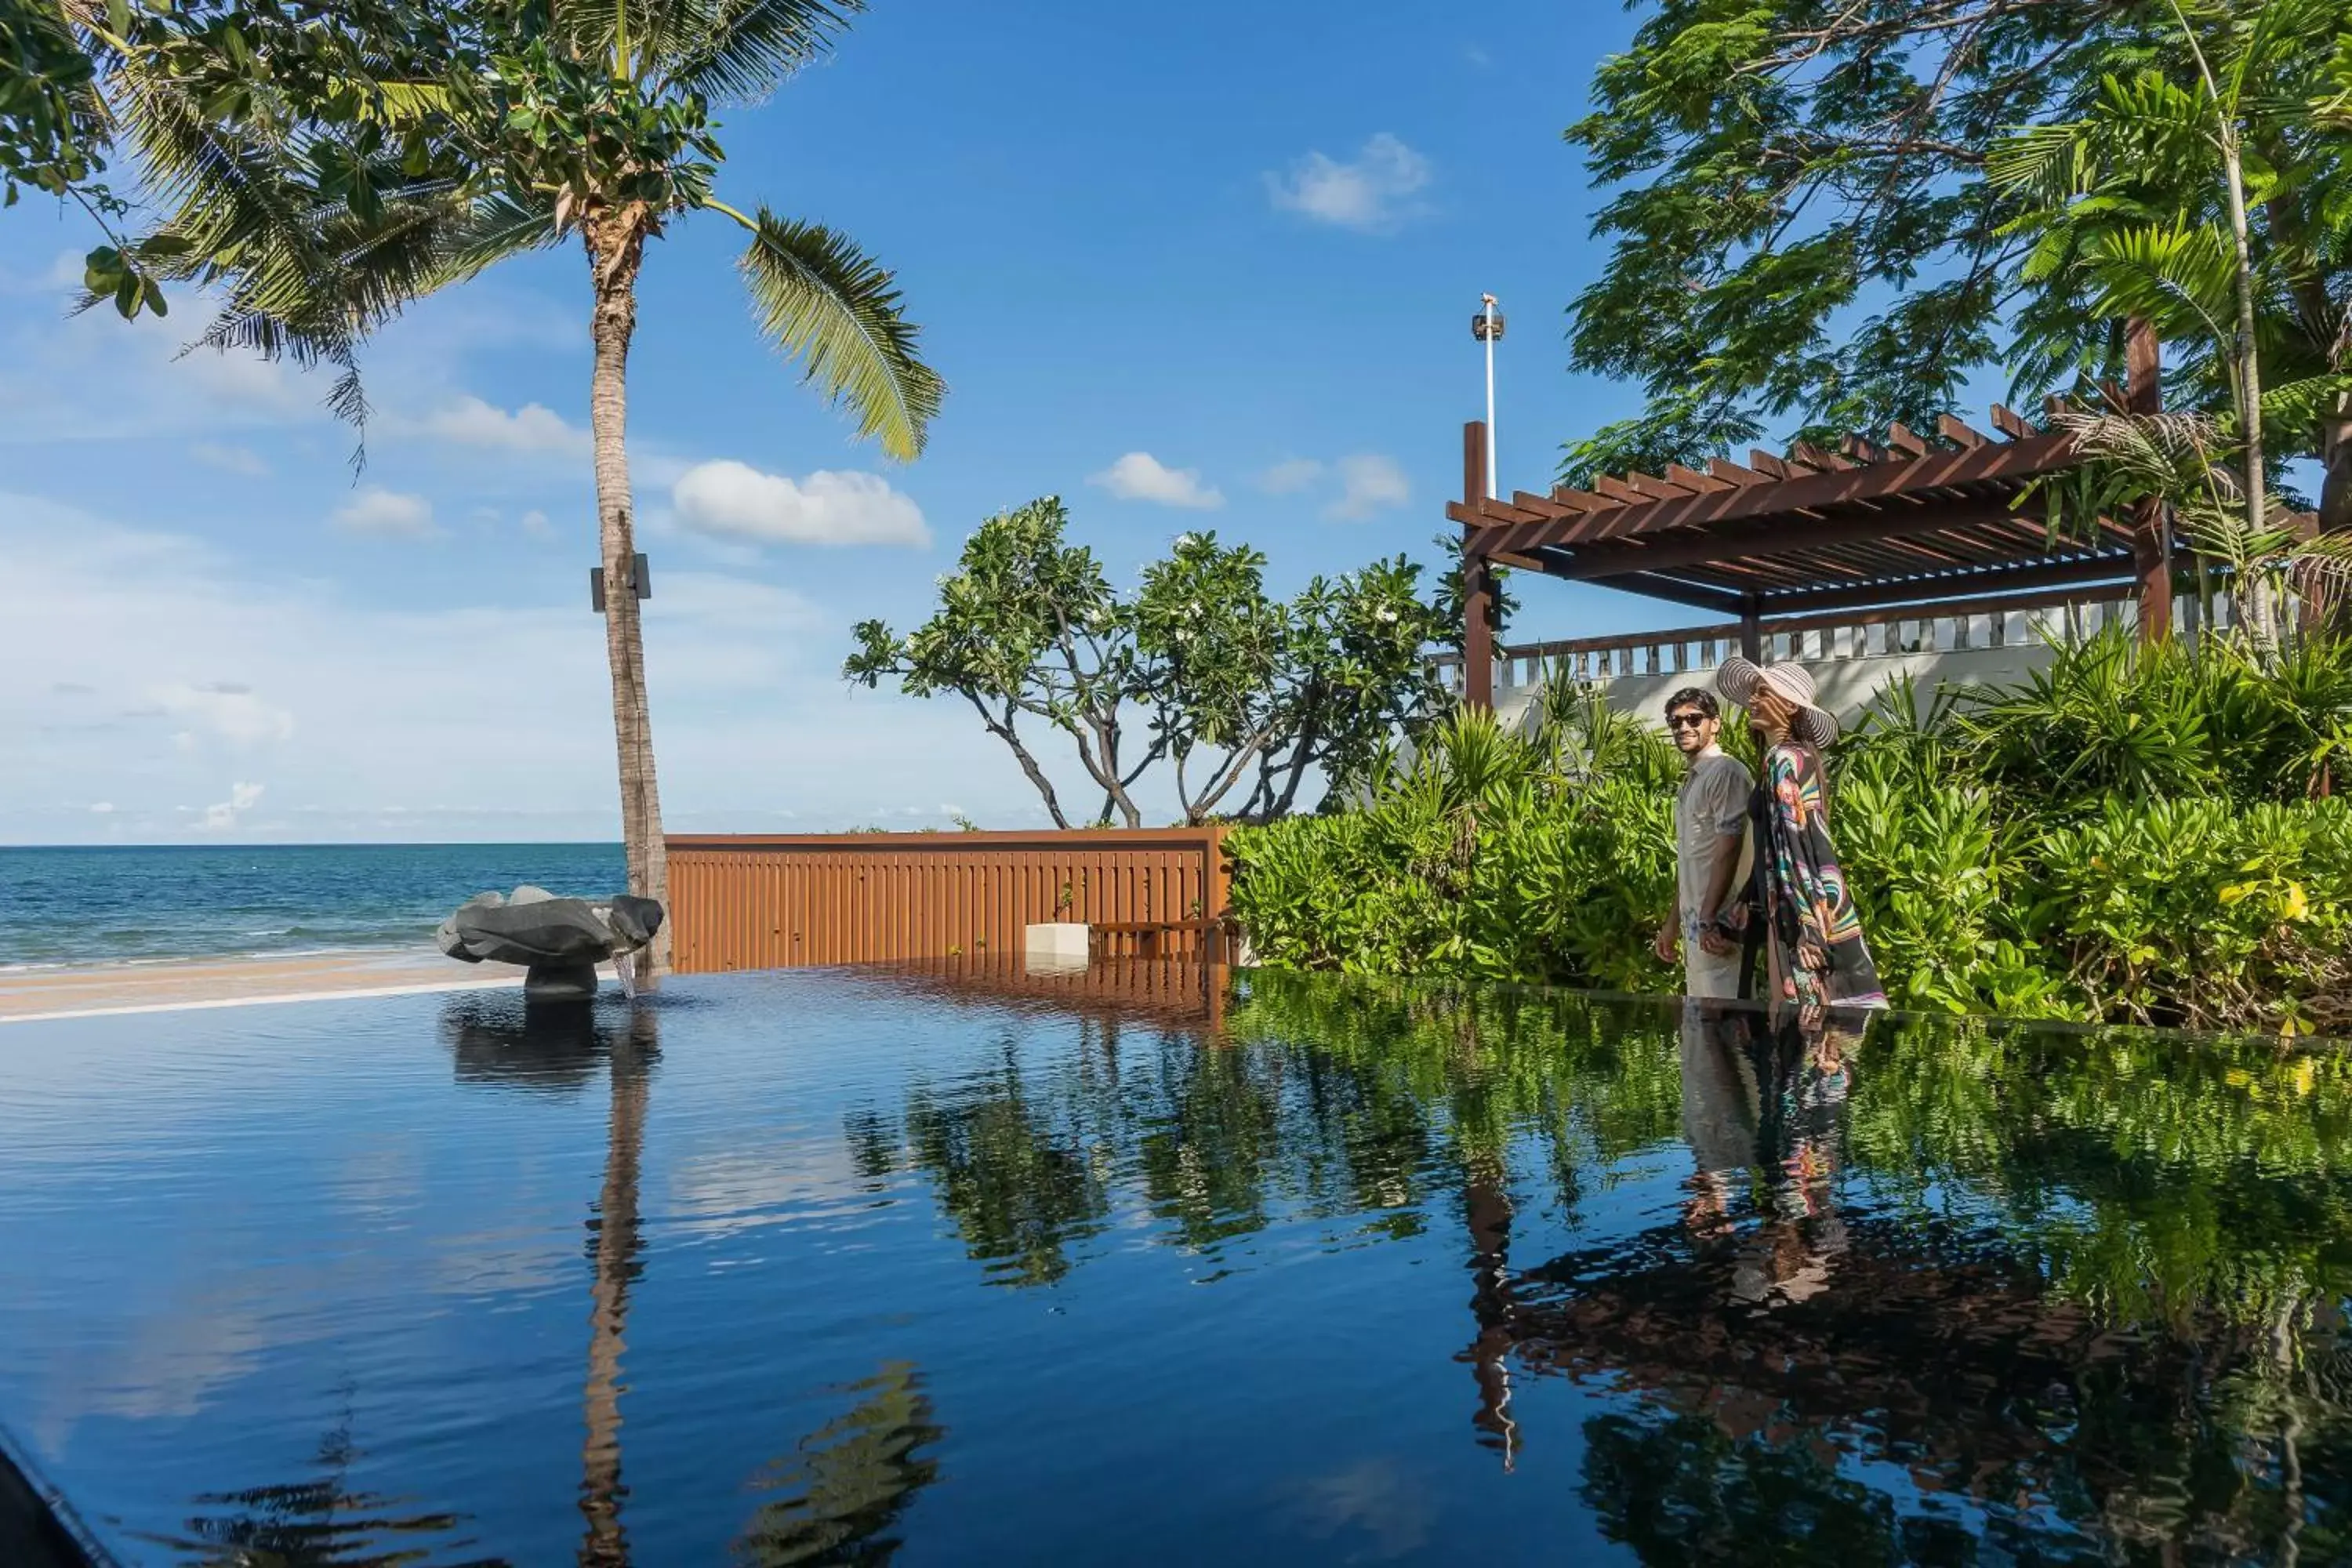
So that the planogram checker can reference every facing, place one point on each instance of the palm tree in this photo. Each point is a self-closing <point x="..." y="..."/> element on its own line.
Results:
<point x="327" y="165"/>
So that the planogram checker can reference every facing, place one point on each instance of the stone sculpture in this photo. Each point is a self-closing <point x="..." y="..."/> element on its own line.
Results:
<point x="560" y="941"/>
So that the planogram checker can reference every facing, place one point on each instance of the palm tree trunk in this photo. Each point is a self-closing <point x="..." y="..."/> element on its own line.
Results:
<point x="615" y="247"/>
<point x="2250" y="370"/>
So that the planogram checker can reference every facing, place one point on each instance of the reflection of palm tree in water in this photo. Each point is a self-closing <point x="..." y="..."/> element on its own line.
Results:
<point x="850" y="1481"/>
<point x="315" y="1521"/>
<point x="604" y="1543"/>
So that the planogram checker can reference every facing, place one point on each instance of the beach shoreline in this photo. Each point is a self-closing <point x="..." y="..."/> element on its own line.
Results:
<point x="35" y="994"/>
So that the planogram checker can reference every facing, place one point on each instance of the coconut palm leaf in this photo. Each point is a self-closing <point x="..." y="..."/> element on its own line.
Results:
<point x="741" y="50"/>
<point x="493" y="228"/>
<point x="825" y="302"/>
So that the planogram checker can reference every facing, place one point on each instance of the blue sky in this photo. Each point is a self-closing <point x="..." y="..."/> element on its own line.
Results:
<point x="1244" y="245"/>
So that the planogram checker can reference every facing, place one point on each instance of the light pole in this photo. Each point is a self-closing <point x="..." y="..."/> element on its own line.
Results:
<point x="1486" y="326"/>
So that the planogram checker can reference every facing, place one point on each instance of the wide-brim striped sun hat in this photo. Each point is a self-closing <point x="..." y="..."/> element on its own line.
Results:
<point x="1737" y="680"/>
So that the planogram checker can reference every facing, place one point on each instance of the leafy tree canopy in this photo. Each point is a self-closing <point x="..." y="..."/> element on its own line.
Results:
<point x="1244" y="696"/>
<point x="1829" y="215"/>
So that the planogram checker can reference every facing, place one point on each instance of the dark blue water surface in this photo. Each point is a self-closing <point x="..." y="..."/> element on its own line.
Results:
<point x="842" y="1267"/>
<point x="83" y="906"/>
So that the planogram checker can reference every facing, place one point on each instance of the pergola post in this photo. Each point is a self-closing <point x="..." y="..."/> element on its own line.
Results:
<point x="1477" y="578"/>
<point x="1751" y="630"/>
<point x="2151" y="549"/>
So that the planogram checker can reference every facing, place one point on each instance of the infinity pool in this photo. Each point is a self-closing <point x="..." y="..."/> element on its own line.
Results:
<point x="920" y="1267"/>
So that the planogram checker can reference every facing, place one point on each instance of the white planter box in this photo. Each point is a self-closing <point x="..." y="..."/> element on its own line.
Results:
<point x="1055" y="946"/>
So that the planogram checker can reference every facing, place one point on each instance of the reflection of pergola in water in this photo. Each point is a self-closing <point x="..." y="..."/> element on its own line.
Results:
<point x="1927" y="1347"/>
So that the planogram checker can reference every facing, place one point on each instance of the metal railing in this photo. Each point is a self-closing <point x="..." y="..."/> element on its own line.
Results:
<point x="2020" y="621"/>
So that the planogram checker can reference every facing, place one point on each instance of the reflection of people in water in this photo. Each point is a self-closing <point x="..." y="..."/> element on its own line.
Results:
<point x="1720" y="1108"/>
<point x="1767" y="1095"/>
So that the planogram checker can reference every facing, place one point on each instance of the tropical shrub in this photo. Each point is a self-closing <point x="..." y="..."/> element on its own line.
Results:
<point x="2154" y="834"/>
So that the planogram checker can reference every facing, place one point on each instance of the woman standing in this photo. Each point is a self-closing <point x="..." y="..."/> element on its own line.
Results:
<point x="1818" y="952"/>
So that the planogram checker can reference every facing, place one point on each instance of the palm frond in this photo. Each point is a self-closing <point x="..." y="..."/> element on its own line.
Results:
<point x="825" y="302"/>
<point x="2300" y="408"/>
<point x="741" y="50"/>
<point x="492" y="229"/>
<point x="2168" y="273"/>
<point x="2321" y="572"/>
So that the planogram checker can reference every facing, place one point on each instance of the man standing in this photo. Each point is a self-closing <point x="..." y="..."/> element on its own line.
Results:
<point x="1710" y="836"/>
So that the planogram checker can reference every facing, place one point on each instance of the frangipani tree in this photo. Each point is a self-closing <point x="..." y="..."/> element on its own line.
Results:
<point x="1244" y="696"/>
<point x="323" y="168"/>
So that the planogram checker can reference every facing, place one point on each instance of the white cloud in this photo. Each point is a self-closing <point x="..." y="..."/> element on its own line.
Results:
<point x="1376" y="192"/>
<point x="101" y="807"/>
<point x="735" y="501"/>
<point x="222" y="817"/>
<point x="229" y="711"/>
<point x="533" y="427"/>
<point x="240" y="380"/>
<point x="485" y="713"/>
<point x="232" y="459"/>
<point x="386" y="514"/>
<point x="1290" y="475"/>
<point x="1140" y="475"/>
<point x="534" y="522"/>
<point x="1368" y="483"/>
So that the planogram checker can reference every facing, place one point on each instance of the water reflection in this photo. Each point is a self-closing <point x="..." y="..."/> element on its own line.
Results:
<point x="317" y="1521"/>
<point x="2061" y="1296"/>
<point x="497" y="1040"/>
<point x="614" y="1245"/>
<point x="848" y="1482"/>
<point x="504" y="1040"/>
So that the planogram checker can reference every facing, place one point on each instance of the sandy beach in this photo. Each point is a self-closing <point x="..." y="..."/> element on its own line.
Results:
<point x="29" y="994"/>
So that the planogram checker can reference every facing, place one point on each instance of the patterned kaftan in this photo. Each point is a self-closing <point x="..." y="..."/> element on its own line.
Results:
<point x="1803" y="891"/>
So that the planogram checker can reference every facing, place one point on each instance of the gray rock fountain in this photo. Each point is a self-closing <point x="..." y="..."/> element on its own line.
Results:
<point x="560" y="941"/>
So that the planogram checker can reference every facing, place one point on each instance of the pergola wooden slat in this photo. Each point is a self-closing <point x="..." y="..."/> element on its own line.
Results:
<point x="1903" y="519"/>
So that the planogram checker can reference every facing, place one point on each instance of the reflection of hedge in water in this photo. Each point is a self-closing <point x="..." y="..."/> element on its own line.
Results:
<point x="2101" y="1270"/>
<point x="2156" y="1180"/>
<point x="1352" y="1106"/>
<point x="848" y="1484"/>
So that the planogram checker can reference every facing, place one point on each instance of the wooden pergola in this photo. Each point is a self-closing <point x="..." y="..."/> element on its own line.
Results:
<point x="1942" y="521"/>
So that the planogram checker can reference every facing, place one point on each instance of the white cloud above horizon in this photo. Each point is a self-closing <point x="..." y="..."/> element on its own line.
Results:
<point x="471" y="421"/>
<point x="1378" y="191"/>
<point x="1290" y="475"/>
<point x="1140" y="475"/>
<point x="222" y="815"/>
<point x="1369" y="482"/>
<point x="730" y="500"/>
<point x="227" y="710"/>
<point x="489" y="720"/>
<point x="378" y="513"/>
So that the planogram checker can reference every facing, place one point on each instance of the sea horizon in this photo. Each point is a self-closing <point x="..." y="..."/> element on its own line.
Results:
<point x="90" y="905"/>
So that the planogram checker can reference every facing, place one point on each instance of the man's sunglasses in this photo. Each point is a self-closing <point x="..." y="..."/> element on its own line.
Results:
<point x="1685" y="721"/>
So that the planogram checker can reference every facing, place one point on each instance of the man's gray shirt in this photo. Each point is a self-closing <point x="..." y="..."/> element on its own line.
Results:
<point x="1711" y="806"/>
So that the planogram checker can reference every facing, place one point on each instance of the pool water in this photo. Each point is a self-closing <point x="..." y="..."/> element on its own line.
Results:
<point x="1152" y="1266"/>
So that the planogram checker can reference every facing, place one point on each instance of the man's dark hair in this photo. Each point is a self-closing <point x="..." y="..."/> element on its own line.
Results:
<point x="1693" y="697"/>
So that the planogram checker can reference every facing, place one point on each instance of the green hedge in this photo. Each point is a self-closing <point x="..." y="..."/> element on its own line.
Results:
<point x="2142" y="836"/>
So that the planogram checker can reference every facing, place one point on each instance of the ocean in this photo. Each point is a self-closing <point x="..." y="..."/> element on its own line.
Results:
<point x="87" y="906"/>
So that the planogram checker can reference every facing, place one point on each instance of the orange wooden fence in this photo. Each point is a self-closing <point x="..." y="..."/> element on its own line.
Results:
<point x="743" y="901"/>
